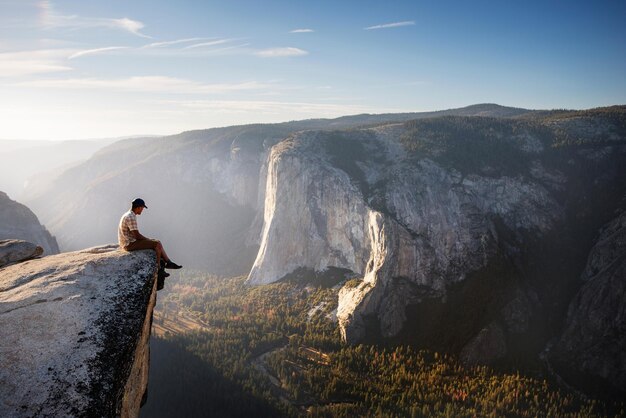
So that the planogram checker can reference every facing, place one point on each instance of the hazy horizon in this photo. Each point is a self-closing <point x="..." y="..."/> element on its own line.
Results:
<point x="244" y="123"/>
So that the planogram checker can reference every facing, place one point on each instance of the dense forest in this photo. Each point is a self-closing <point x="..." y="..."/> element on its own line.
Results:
<point x="223" y="349"/>
<point x="495" y="147"/>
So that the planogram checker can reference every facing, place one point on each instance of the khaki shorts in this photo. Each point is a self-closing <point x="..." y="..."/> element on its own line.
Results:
<point x="142" y="244"/>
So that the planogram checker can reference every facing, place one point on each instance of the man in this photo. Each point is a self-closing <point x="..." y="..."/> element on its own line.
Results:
<point x="131" y="240"/>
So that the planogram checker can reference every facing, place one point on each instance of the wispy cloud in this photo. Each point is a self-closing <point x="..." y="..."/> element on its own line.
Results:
<point x="52" y="19"/>
<point x="228" y="48"/>
<point x="391" y="25"/>
<point x="17" y="64"/>
<point x="132" y="26"/>
<point x="95" y="51"/>
<point x="211" y="43"/>
<point x="281" y="52"/>
<point x="176" y="42"/>
<point x="78" y="22"/>
<point x="159" y="84"/>
<point x="302" y="31"/>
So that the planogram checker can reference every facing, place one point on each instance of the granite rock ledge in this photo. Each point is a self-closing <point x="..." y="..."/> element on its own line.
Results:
<point x="74" y="333"/>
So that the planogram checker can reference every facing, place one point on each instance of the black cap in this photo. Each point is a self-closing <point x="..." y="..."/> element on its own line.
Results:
<point x="139" y="203"/>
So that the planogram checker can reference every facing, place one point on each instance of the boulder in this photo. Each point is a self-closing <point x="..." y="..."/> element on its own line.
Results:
<point x="14" y="251"/>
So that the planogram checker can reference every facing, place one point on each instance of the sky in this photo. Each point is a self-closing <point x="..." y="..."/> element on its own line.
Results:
<point x="96" y="69"/>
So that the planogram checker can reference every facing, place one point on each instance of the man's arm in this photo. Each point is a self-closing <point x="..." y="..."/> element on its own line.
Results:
<point x="137" y="235"/>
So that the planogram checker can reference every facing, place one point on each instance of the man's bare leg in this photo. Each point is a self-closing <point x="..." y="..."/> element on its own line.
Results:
<point x="158" y="255"/>
<point x="161" y="250"/>
<point x="155" y="245"/>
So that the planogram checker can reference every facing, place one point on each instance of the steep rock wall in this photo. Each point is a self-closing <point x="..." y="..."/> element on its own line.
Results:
<point x="74" y="332"/>
<point x="592" y="348"/>
<point x="313" y="211"/>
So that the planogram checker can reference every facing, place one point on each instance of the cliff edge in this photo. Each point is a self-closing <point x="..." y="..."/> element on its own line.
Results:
<point x="74" y="333"/>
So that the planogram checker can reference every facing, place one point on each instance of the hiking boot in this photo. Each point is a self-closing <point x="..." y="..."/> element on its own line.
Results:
<point x="171" y="265"/>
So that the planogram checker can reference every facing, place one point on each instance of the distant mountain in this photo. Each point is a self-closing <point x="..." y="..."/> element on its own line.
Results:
<point x="19" y="222"/>
<point x="8" y="145"/>
<point x="485" y="110"/>
<point x="20" y="160"/>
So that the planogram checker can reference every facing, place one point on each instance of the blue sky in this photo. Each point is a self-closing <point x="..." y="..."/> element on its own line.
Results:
<point x="90" y="69"/>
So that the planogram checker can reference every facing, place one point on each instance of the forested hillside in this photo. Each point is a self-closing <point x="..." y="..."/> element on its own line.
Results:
<point x="225" y="349"/>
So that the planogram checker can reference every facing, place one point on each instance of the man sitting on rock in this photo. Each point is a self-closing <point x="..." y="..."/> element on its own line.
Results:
<point x="131" y="240"/>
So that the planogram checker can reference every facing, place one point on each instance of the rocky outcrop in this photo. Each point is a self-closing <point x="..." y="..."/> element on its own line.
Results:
<point x="74" y="332"/>
<point x="14" y="251"/>
<point x="324" y="214"/>
<point x="19" y="222"/>
<point x="411" y="229"/>
<point x="592" y="349"/>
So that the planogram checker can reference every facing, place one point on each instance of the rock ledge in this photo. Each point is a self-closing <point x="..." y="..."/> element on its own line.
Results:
<point x="74" y="333"/>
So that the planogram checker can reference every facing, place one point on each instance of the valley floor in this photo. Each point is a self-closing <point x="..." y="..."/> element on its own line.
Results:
<point x="220" y="348"/>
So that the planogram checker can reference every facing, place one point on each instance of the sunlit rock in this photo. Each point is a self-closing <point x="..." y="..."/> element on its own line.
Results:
<point x="74" y="333"/>
<point x="411" y="229"/>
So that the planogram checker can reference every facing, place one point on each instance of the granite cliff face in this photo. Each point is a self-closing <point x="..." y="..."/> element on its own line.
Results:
<point x="74" y="333"/>
<point x="592" y="347"/>
<point x="19" y="222"/>
<point x="409" y="228"/>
